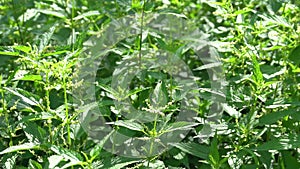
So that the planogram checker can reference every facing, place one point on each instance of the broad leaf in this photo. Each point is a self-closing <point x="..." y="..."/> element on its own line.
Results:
<point x="129" y="124"/>
<point x="273" y="117"/>
<point x="231" y="111"/>
<point x="194" y="149"/>
<point x="295" y="55"/>
<point x="159" y="97"/>
<point x="283" y="143"/>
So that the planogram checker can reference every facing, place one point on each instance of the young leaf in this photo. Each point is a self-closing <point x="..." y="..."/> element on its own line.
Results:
<point x="214" y="156"/>
<point x="258" y="77"/>
<point x="159" y="97"/>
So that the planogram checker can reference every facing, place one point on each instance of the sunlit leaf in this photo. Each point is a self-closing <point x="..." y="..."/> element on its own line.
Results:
<point x="159" y="98"/>
<point x="24" y="146"/>
<point x="30" y="101"/>
<point x="282" y="143"/>
<point x="87" y="14"/>
<point x="129" y="124"/>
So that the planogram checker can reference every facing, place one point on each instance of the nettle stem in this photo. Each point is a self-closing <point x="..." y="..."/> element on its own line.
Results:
<point x="5" y="112"/>
<point x="47" y="91"/>
<point x="73" y="25"/>
<point x="141" y="35"/>
<point x="66" y="109"/>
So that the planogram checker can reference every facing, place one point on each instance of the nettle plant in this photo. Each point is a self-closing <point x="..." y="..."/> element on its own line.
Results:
<point x="141" y="100"/>
<point x="128" y="106"/>
<point x="35" y="99"/>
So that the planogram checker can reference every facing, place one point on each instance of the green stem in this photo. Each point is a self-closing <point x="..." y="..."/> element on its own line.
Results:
<point x="141" y="35"/>
<point x="72" y="26"/>
<point x="67" y="122"/>
<point x="153" y="136"/>
<point x="5" y="112"/>
<point x="48" y="109"/>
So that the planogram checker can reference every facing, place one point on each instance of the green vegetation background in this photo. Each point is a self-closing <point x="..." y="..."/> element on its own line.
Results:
<point x="258" y="42"/>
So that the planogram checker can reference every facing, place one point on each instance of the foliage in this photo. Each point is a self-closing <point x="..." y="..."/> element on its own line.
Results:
<point x="257" y="41"/>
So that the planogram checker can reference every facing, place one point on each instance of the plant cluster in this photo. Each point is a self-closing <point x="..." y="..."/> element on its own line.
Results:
<point x="42" y="101"/>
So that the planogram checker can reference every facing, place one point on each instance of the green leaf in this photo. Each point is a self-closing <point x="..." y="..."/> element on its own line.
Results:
<point x="45" y="39"/>
<point x="34" y="165"/>
<point x="231" y="111"/>
<point x="159" y="97"/>
<point x="35" y="133"/>
<point x="30" y="101"/>
<point x="275" y="116"/>
<point x="122" y="165"/>
<point x="258" y="77"/>
<point x="29" y="78"/>
<point x="181" y="125"/>
<point x="53" y="13"/>
<point x="67" y="154"/>
<point x="214" y="156"/>
<point x="96" y="150"/>
<point x="266" y="158"/>
<point x="109" y="89"/>
<point x="157" y="164"/>
<point x="290" y="161"/>
<point x="87" y="14"/>
<point x="129" y="124"/>
<point x="73" y="157"/>
<point x="209" y="66"/>
<point x="9" y="160"/>
<point x="9" y="53"/>
<point x="119" y="162"/>
<point x="135" y="91"/>
<point x="25" y="49"/>
<point x="25" y="146"/>
<point x="136" y="4"/>
<point x="283" y="143"/>
<point x="275" y="19"/>
<point x="194" y="149"/>
<point x="295" y="55"/>
<point x="32" y="78"/>
<point x="54" y="160"/>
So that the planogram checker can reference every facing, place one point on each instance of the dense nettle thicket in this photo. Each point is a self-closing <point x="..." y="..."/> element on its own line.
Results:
<point x="149" y="84"/>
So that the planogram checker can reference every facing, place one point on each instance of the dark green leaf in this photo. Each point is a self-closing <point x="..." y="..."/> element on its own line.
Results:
<point x="283" y="143"/>
<point x="194" y="149"/>
<point x="275" y="116"/>
<point x="295" y="55"/>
